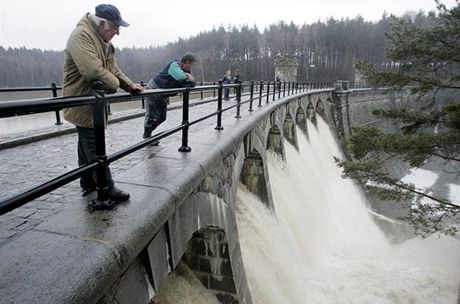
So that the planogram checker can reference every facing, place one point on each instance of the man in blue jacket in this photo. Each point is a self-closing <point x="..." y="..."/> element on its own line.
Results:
<point x="176" y="74"/>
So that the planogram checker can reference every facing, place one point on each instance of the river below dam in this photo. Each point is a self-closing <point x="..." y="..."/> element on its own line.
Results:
<point x="322" y="245"/>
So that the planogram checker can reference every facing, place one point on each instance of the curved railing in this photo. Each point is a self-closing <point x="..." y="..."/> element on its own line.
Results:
<point x="256" y="90"/>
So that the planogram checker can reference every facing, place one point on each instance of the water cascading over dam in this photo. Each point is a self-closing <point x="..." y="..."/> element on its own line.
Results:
<point x="320" y="244"/>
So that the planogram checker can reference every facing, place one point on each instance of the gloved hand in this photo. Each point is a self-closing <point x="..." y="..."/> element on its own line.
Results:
<point x="189" y="80"/>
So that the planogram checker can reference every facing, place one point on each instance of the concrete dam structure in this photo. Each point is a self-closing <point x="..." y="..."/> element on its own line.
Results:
<point x="183" y="209"/>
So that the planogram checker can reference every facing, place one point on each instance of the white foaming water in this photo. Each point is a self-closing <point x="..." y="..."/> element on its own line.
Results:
<point x="323" y="246"/>
<point x="183" y="287"/>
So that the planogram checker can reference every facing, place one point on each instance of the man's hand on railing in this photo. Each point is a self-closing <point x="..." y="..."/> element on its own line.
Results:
<point x="190" y="80"/>
<point x="136" y="89"/>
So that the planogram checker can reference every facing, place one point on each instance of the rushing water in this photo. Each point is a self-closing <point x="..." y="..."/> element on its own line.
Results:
<point x="323" y="245"/>
<point x="183" y="287"/>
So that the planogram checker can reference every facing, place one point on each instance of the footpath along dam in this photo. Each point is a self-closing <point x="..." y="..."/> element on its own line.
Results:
<point x="256" y="212"/>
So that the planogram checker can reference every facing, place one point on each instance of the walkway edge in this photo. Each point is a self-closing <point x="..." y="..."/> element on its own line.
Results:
<point x="71" y="129"/>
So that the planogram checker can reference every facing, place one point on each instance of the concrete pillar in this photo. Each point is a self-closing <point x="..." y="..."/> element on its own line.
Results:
<point x="253" y="177"/>
<point x="134" y="286"/>
<point x="290" y="131"/>
<point x="209" y="258"/>
<point x="274" y="141"/>
<point x="301" y="120"/>
<point x="337" y="115"/>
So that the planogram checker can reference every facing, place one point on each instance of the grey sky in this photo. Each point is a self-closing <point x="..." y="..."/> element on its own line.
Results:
<point x="46" y="24"/>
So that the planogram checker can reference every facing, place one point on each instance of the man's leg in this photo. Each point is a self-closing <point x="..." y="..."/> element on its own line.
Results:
<point x="155" y="114"/>
<point x="86" y="152"/>
<point x="149" y="111"/>
<point x="162" y="110"/>
<point x="149" y="117"/>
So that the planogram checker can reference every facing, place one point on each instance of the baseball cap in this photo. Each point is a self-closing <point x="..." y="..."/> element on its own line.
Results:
<point x="111" y="13"/>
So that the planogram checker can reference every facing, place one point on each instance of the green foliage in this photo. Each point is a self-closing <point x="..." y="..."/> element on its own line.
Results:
<point x="425" y="58"/>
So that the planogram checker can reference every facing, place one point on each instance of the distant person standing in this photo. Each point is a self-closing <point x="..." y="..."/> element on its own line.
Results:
<point x="89" y="56"/>
<point x="227" y="79"/>
<point x="176" y="74"/>
<point x="278" y="83"/>
<point x="237" y="79"/>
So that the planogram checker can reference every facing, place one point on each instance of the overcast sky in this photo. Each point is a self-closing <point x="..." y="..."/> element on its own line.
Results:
<point x="46" y="24"/>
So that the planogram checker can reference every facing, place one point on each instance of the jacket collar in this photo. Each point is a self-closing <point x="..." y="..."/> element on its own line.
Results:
<point x="88" y="23"/>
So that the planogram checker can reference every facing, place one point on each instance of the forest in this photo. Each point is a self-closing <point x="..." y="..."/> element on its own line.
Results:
<point x="326" y="51"/>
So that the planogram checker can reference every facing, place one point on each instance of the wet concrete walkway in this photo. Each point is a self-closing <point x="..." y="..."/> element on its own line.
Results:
<point x="33" y="163"/>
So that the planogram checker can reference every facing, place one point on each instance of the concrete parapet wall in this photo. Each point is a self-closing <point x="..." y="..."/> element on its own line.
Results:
<point x="354" y="108"/>
<point x="124" y="255"/>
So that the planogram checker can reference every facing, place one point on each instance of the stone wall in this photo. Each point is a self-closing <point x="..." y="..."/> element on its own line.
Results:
<point x="286" y="68"/>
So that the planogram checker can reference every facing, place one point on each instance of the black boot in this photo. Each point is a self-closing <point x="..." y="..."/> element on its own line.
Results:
<point x="147" y="132"/>
<point x="117" y="195"/>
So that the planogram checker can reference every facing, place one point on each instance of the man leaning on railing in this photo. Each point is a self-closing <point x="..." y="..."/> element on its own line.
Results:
<point x="176" y="74"/>
<point x="89" y="56"/>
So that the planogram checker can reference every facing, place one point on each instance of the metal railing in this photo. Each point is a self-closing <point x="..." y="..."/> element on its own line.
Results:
<point x="53" y="88"/>
<point x="99" y="102"/>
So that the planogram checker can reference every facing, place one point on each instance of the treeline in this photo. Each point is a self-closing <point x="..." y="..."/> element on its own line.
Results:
<point x="325" y="50"/>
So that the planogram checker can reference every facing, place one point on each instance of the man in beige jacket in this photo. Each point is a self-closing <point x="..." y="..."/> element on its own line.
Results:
<point x="89" y="56"/>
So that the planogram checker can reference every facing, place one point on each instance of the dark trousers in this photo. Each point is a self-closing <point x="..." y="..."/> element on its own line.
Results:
<point x="156" y="109"/>
<point x="86" y="152"/>
<point x="226" y="94"/>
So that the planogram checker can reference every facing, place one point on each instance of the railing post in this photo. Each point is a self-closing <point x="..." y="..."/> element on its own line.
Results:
<point x="261" y="88"/>
<point x="219" y="107"/>
<point x="284" y="88"/>
<point x="268" y="92"/>
<point x="289" y="88"/>
<point x="214" y="90"/>
<point x="109" y="110"/>
<point x="293" y="88"/>
<point x="101" y="202"/>
<point x="201" y="91"/>
<point x="58" y="116"/>
<point x="238" y="100"/>
<point x="143" y="98"/>
<point x="185" y="104"/>
<point x="251" y="95"/>
<point x="279" y="90"/>
<point x="274" y="90"/>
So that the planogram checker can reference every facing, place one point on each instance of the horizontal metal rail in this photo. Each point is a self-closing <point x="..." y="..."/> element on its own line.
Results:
<point x="23" y="198"/>
<point x="29" y="89"/>
<point x="99" y="102"/>
<point x="144" y="143"/>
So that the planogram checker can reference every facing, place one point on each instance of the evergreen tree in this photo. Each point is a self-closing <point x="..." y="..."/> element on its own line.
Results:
<point x="425" y="56"/>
